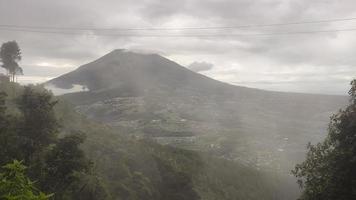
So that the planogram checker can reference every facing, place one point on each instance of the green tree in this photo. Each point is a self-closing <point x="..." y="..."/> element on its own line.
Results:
<point x="10" y="55"/>
<point x="4" y="125"/>
<point x="38" y="128"/>
<point x="31" y="133"/>
<point x="14" y="185"/>
<point x="89" y="187"/>
<point x="8" y="137"/>
<point x="329" y="170"/>
<point x="64" y="163"/>
<point x="3" y="118"/>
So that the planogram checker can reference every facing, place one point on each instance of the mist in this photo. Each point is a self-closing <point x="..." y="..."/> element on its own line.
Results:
<point x="165" y="100"/>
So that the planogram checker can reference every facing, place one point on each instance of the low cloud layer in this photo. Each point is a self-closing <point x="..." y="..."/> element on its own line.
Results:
<point x="317" y="63"/>
<point x="200" y="66"/>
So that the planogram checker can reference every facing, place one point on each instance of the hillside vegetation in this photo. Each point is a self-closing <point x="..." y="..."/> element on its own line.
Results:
<point x="125" y="167"/>
<point x="147" y="95"/>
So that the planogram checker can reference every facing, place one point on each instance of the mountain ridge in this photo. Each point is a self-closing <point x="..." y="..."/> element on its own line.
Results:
<point x="117" y="53"/>
<point x="148" y="95"/>
<point x="146" y="69"/>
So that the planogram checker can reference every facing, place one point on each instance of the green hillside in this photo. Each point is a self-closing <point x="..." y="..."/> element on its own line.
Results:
<point x="132" y="168"/>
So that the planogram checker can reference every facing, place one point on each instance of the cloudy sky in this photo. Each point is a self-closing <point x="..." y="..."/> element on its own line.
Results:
<point x="254" y="56"/>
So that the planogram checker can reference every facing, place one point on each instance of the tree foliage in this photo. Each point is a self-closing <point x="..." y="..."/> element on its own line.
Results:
<point x="124" y="168"/>
<point x="57" y="164"/>
<point x="10" y="55"/>
<point x="15" y="185"/>
<point x="329" y="170"/>
<point x="37" y="127"/>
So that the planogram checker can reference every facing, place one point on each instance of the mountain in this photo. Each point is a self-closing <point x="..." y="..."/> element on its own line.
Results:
<point x="121" y="69"/>
<point x="147" y="95"/>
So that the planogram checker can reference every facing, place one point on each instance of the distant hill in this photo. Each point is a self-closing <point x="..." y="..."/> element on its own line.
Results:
<point x="147" y="95"/>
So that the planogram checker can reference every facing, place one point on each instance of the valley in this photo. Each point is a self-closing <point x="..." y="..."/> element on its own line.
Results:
<point x="148" y="96"/>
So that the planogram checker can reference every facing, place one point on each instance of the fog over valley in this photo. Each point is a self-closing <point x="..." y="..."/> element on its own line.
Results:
<point x="178" y="100"/>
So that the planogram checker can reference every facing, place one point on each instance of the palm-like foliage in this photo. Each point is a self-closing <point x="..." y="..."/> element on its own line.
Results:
<point x="14" y="184"/>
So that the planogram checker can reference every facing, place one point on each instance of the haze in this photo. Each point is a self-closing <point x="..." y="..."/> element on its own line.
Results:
<point x="308" y="63"/>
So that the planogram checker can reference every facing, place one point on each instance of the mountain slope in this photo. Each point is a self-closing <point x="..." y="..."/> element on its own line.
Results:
<point x="140" y="71"/>
<point x="138" y="169"/>
<point x="150" y="96"/>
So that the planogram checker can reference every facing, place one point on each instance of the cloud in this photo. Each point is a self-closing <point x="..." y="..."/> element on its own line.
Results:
<point x="239" y="59"/>
<point x="200" y="66"/>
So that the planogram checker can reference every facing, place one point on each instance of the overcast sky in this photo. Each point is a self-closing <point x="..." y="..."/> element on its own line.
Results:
<point x="313" y="63"/>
